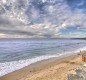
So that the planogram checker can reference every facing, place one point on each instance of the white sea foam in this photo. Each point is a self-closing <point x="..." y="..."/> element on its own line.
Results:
<point x="9" y="67"/>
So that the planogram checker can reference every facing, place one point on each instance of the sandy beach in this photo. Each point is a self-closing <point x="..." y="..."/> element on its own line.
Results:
<point x="52" y="69"/>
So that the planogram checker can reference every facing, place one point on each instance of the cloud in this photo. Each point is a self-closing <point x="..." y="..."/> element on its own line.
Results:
<point x="39" y="18"/>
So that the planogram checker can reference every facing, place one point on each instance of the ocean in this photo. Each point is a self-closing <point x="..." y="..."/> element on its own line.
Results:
<point x="18" y="53"/>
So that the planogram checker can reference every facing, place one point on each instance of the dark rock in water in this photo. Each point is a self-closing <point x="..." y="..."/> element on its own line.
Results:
<point x="80" y="75"/>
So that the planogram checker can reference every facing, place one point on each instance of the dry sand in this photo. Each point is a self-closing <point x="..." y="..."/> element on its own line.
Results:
<point x="54" y="69"/>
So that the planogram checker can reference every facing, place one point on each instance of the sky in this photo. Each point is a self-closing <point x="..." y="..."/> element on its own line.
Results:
<point x="42" y="18"/>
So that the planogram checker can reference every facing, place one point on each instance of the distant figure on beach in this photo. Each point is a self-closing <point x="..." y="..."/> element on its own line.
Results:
<point x="80" y="51"/>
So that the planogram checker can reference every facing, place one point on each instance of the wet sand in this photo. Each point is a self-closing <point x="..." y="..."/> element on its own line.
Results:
<point x="51" y="69"/>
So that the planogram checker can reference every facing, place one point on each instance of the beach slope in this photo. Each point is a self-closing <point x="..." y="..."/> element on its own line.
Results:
<point x="52" y="69"/>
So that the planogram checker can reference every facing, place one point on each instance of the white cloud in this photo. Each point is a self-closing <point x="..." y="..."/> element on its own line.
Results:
<point x="50" y="23"/>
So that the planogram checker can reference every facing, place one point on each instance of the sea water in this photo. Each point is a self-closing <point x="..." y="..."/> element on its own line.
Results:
<point x="18" y="53"/>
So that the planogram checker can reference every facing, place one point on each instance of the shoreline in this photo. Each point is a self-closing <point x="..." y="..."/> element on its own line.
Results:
<point x="38" y="66"/>
<point x="9" y="67"/>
